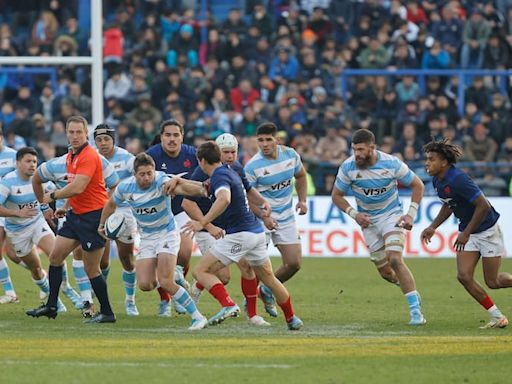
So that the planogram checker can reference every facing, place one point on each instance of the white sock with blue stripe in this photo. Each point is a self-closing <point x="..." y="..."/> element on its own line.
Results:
<point x="105" y="272"/>
<point x="183" y="298"/>
<point x="413" y="299"/>
<point x="82" y="281"/>
<point x="5" y="279"/>
<point x="129" y="284"/>
<point x="43" y="284"/>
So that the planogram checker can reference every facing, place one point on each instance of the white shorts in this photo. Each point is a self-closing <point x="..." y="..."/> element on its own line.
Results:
<point x="130" y="228"/>
<point x="2" y="222"/>
<point x="286" y="233"/>
<point x="22" y="242"/>
<point x="489" y="242"/>
<point x="204" y="241"/>
<point x="375" y="233"/>
<point x="235" y="246"/>
<point x="162" y="242"/>
<point x="181" y="219"/>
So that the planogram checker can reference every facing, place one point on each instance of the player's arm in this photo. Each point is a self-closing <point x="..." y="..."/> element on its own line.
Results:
<point x="444" y="213"/>
<point x="406" y="221"/>
<point x="301" y="186"/>
<point x="482" y="208"/>
<point x="257" y="203"/>
<point x="338" y="198"/>
<point x="180" y="186"/>
<point x="37" y="186"/>
<point x="76" y="187"/>
<point x="222" y="200"/>
<point x="195" y="213"/>
<point x="9" y="212"/>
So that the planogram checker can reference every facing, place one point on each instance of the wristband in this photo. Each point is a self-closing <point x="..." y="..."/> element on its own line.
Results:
<point x="101" y="225"/>
<point x="413" y="210"/>
<point x="351" y="212"/>
<point x="44" y="207"/>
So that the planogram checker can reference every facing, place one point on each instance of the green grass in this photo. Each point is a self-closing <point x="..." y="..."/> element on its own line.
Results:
<point x="355" y="332"/>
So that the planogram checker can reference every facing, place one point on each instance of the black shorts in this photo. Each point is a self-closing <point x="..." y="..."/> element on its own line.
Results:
<point x="83" y="228"/>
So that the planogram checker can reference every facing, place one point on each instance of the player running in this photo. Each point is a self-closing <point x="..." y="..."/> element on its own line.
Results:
<point x="196" y="208"/>
<point x="271" y="171"/>
<point x="373" y="175"/>
<point x="160" y="239"/>
<point x="244" y="238"/>
<point x="479" y="232"/>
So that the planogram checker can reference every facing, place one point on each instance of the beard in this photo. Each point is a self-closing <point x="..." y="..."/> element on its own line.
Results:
<point x="364" y="162"/>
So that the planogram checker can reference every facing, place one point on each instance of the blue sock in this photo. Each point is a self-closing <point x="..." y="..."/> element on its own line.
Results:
<point x="105" y="272"/>
<point x="413" y="299"/>
<point x="5" y="279"/>
<point x="82" y="281"/>
<point x="129" y="284"/>
<point x="183" y="298"/>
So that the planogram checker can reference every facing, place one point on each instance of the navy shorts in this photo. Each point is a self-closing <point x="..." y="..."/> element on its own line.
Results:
<point x="83" y="228"/>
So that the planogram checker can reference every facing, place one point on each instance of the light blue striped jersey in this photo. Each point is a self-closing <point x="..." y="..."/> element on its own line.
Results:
<point x="375" y="187"/>
<point x="16" y="193"/>
<point x="7" y="161"/>
<point x="151" y="208"/>
<point x="122" y="161"/>
<point x="55" y="170"/>
<point x="273" y="179"/>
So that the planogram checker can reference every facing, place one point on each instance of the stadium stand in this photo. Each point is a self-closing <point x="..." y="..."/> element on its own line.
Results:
<point x="225" y="66"/>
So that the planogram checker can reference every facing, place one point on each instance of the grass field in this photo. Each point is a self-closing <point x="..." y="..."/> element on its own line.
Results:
<point x="355" y="332"/>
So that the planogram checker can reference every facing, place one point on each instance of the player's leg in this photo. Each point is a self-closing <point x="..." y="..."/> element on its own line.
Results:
<point x="105" y="261"/>
<point x="291" y="254"/>
<point x="249" y="284"/>
<point x="381" y="262"/>
<point x="5" y="275"/>
<point x="166" y="265"/>
<point x="83" y="283"/>
<point x="495" y="279"/>
<point x="492" y="247"/>
<point x="45" y="240"/>
<point x="205" y="273"/>
<point x="125" y="252"/>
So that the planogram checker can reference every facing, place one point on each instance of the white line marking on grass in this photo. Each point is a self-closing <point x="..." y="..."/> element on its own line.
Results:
<point x="94" y="364"/>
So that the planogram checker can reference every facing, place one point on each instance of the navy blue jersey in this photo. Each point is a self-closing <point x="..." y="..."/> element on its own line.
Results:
<point x="205" y="203"/>
<point x="183" y="165"/>
<point x="237" y="217"/>
<point x="459" y="191"/>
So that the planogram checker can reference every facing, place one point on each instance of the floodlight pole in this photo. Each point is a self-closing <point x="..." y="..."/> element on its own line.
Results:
<point x="97" y="61"/>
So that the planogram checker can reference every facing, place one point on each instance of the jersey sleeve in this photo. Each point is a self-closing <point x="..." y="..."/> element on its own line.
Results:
<point x="251" y="176"/>
<point x="403" y="174"/>
<point x="342" y="182"/>
<point x="464" y="186"/>
<point x="118" y="194"/>
<point x="4" y="192"/>
<point x="44" y="172"/>
<point x="87" y="166"/>
<point x="298" y="163"/>
<point x="129" y="164"/>
<point x="109" y="173"/>
<point x="220" y="181"/>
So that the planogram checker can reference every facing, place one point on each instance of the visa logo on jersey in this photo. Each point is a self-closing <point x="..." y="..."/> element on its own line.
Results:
<point x="281" y="185"/>
<point x="31" y="205"/>
<point x="146" y="211"/>
<point x="374" y="191"/>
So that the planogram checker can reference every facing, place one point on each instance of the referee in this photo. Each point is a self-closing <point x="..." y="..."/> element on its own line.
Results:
<point x="87" y="196"/>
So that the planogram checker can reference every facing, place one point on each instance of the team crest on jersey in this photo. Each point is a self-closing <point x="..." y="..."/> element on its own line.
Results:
<point x="187" y="163"/>
<point x="236" y="248"/>
<point x="290" y="164"/>
<point x="358" y="176"/>
<point x="164" y="166"/>
<point x="18" y="191"/>
<point x="447" y="189"/>
<point x="266" y="172"/>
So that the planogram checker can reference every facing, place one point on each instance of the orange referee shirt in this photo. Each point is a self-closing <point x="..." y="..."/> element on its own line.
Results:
<point x="87" y="162"/>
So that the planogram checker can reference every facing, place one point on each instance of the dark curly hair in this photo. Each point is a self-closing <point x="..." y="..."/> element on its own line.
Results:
<point x="449" y="152"/>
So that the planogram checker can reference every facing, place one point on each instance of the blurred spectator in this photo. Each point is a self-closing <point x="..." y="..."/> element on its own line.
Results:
<point x="373" y="57"/>
<point x="436" y="57"/>
<point x="407" y="90"/>
<point x="44" y="30"/>
<point x="22" y="124"/>
<point x="244" y="95"/>
<point x="409" y="138"/>
<point x="117" y="86"/>
<point x="479" y="146"/>
<point x="477" y="93"/>
<point x="476" y="33"/>
<point x="144" y="111"/>
<point x="497" y="53"/>
<point x="284" y="66"/>
<point x="184" y="44"/>
<point x="262" y="20"/>
<point x="448" y="31"/>
<point x="235" y="23"/>
<point x="332" y="148"/>
<point x="492" y="184"/>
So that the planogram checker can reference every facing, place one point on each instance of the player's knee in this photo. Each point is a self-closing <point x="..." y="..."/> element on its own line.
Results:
<point x="395" y="262"/>
<point x="492" y="283"/>
<point x="464" y="278"/>
<point x="146" y="285"/>
<point x="294" y="266"/>
<point x="224" y="279"/>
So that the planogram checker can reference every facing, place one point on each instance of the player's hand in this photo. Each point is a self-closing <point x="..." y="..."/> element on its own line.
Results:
<point x="49" y="216"/>
<point x="27" y="212"/>
<point x="101" y="231"/>
<point x="405" y="222"/>
<point x="60" y="213"/>
<point x="191" y="228"/>
<point x="461" y="241"/>
<point x="363" y="219"/>
<point x="266" y="209"/>
<point x="47" y="199"/>
<point x="169" y="186"/>
<point x="301" y="208"/>
<point x="216" y="232"/>
<point x="270" y="223"/>
<point x="426" y="234"/>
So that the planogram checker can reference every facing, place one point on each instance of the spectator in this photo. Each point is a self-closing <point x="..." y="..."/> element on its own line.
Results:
<point x="261" y="20"/>
<point x="407" y="90"/>
<point x="44" y="30"/>
<point x="479" y="146"/>
<point x="332" y="148"/>
<point x="183" y="44"/>
<point x="477" y="93"/>
<point x="235" y="23"/>
<point x="496" y="53"/>
<point x="475" y="36"/>
<point x="373" y="57"/>
<point x="284" y="66"/>
<point x="144" y="111"/>
<point x="491" y="183"/>
<point x="22" y="124"/>
<point x="448" y="31"/>
<point x="436" y="57"/>
<point x="117" y="86"/>
<point x="409" y="139"/>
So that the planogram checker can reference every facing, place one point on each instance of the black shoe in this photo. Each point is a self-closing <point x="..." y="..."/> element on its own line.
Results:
<point x="101" y="318"/>
<point x="43" y="310"/>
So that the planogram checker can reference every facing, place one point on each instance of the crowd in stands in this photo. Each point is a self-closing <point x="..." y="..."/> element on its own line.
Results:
<point x="272" y="60"/>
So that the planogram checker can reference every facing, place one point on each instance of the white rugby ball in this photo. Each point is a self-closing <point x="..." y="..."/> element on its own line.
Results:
<point x="114" y="225"/>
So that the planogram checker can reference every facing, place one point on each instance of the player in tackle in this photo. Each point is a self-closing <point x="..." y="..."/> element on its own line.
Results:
<point x="479" y="232"/>
<point x="373" y="175"/>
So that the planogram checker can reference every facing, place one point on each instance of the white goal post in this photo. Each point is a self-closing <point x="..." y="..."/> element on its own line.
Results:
<point x="95" y="61"/>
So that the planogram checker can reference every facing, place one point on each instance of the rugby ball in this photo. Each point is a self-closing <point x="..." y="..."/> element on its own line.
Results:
<point x="114" y="225"/>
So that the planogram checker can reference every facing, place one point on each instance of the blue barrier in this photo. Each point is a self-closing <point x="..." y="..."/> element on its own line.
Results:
<point x="421" y="74"/>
